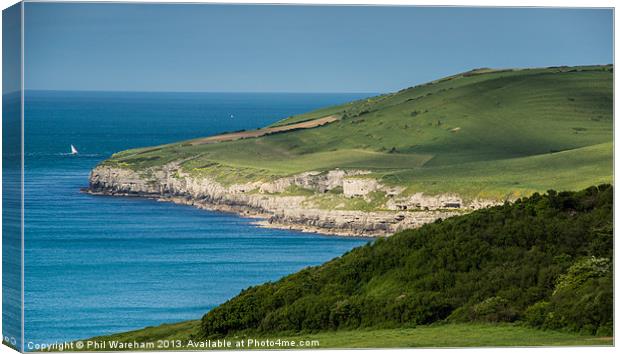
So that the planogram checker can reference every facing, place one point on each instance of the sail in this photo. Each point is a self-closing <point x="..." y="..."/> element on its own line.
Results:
<point x="73" y="150"/>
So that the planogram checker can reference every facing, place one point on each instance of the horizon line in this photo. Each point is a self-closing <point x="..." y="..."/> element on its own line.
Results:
<point x="183" y="91"/>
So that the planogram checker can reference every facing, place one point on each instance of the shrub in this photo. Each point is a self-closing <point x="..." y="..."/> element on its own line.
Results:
<point x="493" y="309"/>
<point x="582" y="300"/>
<point x="580" y="272"/>
<point x="536" y="314"/>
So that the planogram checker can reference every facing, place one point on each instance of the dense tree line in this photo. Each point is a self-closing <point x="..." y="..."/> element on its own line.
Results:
<point x="543" y="260"/>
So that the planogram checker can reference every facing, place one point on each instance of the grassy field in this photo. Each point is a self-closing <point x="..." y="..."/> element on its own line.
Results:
<point x="448" y="335"/>
<point x="479" y="133"/>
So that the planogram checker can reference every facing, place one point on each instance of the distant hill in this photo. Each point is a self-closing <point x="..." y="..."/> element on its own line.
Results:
<point x="496" y="134"/>
<point x="545" y="261"/>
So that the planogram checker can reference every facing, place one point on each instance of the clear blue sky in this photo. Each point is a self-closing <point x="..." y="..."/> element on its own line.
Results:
<point x="180" y="47"/>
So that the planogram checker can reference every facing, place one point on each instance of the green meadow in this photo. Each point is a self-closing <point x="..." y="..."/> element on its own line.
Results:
<point x="434" y="336"/>
<point x="483" y="133"/>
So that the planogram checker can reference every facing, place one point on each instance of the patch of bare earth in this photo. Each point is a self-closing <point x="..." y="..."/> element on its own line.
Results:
<point x="264" y="131"/>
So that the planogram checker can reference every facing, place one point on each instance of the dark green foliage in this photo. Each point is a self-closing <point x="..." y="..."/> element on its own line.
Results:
<point x="493" y="309"/>
<point x="582" y="300"/>
<point x="530" y="260"/>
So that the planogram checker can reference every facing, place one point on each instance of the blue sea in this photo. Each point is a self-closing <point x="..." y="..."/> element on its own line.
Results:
<point x="97" y="265"/>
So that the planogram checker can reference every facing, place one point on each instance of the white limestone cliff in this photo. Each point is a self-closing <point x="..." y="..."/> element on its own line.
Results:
<point x="263" y="199"/>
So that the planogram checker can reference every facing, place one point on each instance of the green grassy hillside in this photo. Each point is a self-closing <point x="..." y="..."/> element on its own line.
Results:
<point x="484" y="133"/>
<point x="544" y="261"/>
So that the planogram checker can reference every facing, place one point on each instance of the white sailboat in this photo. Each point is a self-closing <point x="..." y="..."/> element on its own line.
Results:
<point x="73" y="150"/>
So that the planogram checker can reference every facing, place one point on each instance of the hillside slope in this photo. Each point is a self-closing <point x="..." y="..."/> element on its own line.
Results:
<point x="545" y="260"/>
<point x="460" y="143"/>
<point x="536" y="272"/>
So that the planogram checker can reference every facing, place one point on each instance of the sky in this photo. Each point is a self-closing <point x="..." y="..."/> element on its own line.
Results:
<point x="240" y="48"/>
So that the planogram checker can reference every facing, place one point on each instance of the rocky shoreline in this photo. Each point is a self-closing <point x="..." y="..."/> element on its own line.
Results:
<point x="264" y="200"/>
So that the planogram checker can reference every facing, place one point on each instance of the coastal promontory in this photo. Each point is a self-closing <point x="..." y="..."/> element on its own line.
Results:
<point x="392" y="162"/>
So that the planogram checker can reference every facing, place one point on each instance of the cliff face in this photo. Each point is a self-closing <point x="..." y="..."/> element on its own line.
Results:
<point x="265" y="199"/>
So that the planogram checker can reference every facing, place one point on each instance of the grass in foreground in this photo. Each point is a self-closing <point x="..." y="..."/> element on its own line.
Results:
<point x="448" y="335"/>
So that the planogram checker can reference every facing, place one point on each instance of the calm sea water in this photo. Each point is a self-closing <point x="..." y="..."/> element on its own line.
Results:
<point x="99" y="265"/>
